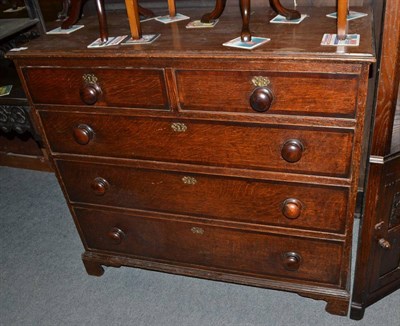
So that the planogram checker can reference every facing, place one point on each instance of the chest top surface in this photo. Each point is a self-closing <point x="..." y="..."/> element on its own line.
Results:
<point x="288" y="41"/>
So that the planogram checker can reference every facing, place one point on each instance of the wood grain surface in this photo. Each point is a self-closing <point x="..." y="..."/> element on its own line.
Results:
<point x="295" y="41"/>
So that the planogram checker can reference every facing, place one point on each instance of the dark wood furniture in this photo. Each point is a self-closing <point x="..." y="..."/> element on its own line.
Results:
<point x="245" y="10"/>
<point x="20" y="145"/>
<point x="14" y="23"/>
<point x="378" y="259"/>
<point x="188" y="157"/>
<point x="72" y="10"/>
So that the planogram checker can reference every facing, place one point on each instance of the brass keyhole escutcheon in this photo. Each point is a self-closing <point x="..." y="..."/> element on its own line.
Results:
<point x="260" y="81"/>
<point x="197" y="230"/>
<point x="189" y="180"/>
<point x="89" y="79"/>
<point x="178" y="127"/>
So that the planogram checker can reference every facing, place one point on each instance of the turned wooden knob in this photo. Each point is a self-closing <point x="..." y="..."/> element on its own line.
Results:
<point x="261" y="99"/>
<point x="292" y="150"/>
<point x="90" y="93"/>
<point x="291" y="208"/>
<point x="83" y="134"/>
<point x="100" y="186"/>
<point x="291" y="261"/>
<point x="384" y="244"/>
<point x="116" y="235"/>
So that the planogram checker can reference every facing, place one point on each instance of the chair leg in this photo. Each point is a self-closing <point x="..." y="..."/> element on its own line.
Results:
<point x="101" y="13"/>
<point x="172" y="8"/>
<point x="133" y="17"/>
<point x="74" y="12"/>
<point x="216" y="13"/>
<point x="245" y="12"/>
<point x="64" y="11"/>
<point x="342" y="11"/>
<point x="281" y="10"/>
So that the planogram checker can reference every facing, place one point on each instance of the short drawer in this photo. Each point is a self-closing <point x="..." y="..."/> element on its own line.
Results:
<point x="217" y="248"/>
<point x="222" y="198"/>
<point x="282" y="93"/>
<point x="279" y="148"/>
<point x="136" y="88"/>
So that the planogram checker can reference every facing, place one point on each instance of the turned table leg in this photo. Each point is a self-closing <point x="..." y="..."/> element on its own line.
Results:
<point x="134" y="20"/>
<point x="171" y="8"/>
<point x="281" y="10"/>
<point x="64" y="11"/>
<point x="342" y="10"/>
<point x="245" y="12"/>
<point x="101" y="14"/>
<point x="73" y="16"/>
<point x="275" y="4"/>
<point x="216" y="13"/>
<point x="133" y="9"/>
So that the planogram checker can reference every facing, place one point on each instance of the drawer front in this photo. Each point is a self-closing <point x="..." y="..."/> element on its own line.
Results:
<point x="235" y="91"/>
<point x="289" y="149"/>
<point x="137" y="88"/>
<point x="243" y="200"/>
<point x="218" y="248"/>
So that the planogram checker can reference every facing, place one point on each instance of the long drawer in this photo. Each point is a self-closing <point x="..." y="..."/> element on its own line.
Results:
<point x="213" y="247"/>
<point x="290" y="93"/>
<point x="128" y="87"/>
<point x="223" y="198"/>
<point x="250" y="146"/>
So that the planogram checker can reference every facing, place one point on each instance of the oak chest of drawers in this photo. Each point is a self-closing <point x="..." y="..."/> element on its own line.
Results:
<point x="196" y="159"/>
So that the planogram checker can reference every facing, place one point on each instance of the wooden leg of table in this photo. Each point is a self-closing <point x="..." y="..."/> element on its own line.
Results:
<point x="171" y="8"/>
<point x="216" y="13"/>
<point x="64" y="11"/>
<point x="133" y="16"/>
<point x="74" y="11"/>
<point x="342" y="10"/>
<point x="281" y="10"/>
<point x="101" y="13"/>
<point x="245" y="11"/>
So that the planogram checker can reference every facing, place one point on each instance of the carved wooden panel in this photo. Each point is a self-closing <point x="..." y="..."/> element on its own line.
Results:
<point x="14" y="117"/>
<point x="395" y="212"/>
